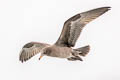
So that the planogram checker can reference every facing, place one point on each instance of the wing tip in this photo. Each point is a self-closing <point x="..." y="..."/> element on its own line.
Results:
<point x="107" y="8"/>
<point x="21" y="56"/>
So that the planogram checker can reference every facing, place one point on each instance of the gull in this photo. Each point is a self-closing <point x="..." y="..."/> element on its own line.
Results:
<point x="63" y="47"/>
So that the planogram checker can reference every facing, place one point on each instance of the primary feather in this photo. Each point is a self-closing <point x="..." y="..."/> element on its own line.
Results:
<point x="31" y="49"/>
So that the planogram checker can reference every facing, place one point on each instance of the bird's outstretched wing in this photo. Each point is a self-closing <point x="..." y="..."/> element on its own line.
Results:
<point x="31" y="49"/>
<point x="73" y="26"/>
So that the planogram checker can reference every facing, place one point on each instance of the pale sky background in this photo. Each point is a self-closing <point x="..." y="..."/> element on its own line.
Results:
<point x="23" y="21"/>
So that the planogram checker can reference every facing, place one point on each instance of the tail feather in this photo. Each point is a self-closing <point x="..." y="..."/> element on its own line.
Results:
<point x="83" y="51"/>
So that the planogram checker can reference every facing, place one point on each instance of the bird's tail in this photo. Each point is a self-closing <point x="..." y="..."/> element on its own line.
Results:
<point x="82" y="51"/>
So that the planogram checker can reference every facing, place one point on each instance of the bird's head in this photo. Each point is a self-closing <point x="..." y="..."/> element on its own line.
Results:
<point x="45" y="52"/>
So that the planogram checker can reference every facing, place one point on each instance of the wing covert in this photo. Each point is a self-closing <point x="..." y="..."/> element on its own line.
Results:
<point x="73" y="26"/>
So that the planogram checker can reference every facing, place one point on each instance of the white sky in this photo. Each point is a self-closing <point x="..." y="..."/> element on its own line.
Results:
<point x="23" y="21"/>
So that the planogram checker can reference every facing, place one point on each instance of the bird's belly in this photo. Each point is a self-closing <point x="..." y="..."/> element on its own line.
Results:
<point x="61" y="53"/>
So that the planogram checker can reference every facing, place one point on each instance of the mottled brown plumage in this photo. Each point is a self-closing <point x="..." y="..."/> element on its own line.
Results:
<point x="69" y="35"/>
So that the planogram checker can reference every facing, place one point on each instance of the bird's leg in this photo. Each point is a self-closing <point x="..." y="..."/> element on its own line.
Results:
<point x="78" y="58"/>
<point x="71" y="59"/>
<point x="75" y="58"/>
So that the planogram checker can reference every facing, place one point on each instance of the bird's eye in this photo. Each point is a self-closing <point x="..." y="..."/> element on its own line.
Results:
<point x="44" y="53"/>
<point x="47" y="52"/>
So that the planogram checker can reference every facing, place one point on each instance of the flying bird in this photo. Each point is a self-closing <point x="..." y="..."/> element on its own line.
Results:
<point x="63" y="47"/>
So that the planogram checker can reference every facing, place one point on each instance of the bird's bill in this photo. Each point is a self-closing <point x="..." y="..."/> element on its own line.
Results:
<point x="40" y="57"/>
